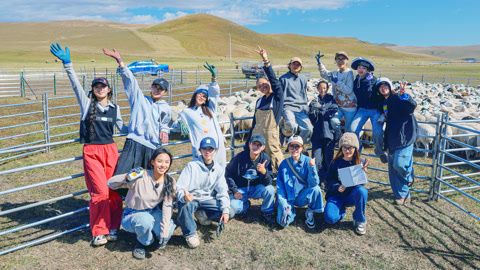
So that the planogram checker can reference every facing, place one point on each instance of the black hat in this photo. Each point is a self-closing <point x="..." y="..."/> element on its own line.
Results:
<point x="360" y="61"/>
<point x="100" y="80"/>
<point x="162" y="82"/>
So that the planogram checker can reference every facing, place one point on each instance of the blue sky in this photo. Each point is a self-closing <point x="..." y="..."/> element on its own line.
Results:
<point x="408" y="22"/>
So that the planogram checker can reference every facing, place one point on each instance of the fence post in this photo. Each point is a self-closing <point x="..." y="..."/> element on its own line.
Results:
<point x="143" y="81"/>
<point x="246" y="85"/>
<point x="403" y="77"/>
<point x="238" y="75"/>
<point x="54" y="84"/>
<point x="435" y="150"/>
<point x="232" y="138"/>
<point x="196" y="76"/>
<point x="84" y="80"/>
<point x="172" y="75"/>
<point x="436" y="186"/>
<point x="46" y="122"/>
<point x="423" y="77"/>
<point x="181" y="76"/>
<point x="22" y="85"/>
<point x="468" y="84"/>
<point x="444" y="80"/>
<point x="170" y="90"/>
<point x="381" y="74"/>
<point x="230" y="91"/>
<point x="94" y="73"/>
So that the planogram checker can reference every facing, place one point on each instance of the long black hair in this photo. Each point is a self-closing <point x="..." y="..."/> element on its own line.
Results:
<point x="92" y="116"/>
<point x="205" y="108"/>
<point x="169" y="183"/>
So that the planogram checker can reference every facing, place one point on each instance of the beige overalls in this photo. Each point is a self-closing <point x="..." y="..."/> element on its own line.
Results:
<point x="266" y="125"/>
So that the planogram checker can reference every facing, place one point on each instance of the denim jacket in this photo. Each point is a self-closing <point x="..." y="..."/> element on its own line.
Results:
<point x="286" y="179"/>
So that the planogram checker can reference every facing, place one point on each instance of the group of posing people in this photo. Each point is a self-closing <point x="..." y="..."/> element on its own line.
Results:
<point x="203" y="187"/>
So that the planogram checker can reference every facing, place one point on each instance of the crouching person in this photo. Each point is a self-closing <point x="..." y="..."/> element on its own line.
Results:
<point x="297" y="185"/>
<point x="249" y="175"/>
<point x="146" y="189"/>
<point x="202" y="191"/>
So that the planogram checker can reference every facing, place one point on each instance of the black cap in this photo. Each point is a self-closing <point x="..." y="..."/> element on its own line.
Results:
<point x="100" y="80"/>
<point x="162" y="82"/>
<point x="258" y="138"/>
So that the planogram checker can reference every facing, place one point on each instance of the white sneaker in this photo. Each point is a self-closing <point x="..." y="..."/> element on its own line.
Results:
<point x="193" y="241"/>
<point x="112" y="236"/>
<point x="202" y="218"/>
<point x="99" y="240"/>
<point x="360" y="227"/>
<point x="310" y="221"/>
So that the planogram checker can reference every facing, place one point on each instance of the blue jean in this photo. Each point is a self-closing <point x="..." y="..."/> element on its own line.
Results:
<point x="144" y="223"/>
<point x="297" y="120"/>
<point x="186" y="210"/>
<point x="361" y="118"/>
<point x="267" y="193"/>
<point x="335" y="208"/>
<point x="337" y="118"/>
<point x="400" y="171"/>
<point x="311" y="196"/>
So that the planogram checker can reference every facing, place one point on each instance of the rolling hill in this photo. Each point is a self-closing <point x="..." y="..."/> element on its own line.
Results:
<point x="450" y="52"/>
<point x="183" y="40"/>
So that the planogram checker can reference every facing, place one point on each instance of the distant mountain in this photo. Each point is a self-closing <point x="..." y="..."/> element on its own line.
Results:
<point x="450" y="52"/>
<point x="197" y="36"/>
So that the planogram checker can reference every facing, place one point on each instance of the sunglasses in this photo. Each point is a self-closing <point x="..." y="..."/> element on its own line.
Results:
<point x="348" y="148"/>
<point x="294" y="146"/>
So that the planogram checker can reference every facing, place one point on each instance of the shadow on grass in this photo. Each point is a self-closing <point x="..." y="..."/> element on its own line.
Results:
<point x="410" y="224"/>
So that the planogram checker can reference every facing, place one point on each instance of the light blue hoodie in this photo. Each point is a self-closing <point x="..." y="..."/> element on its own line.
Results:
<point x="202" y="126"/>
<point x="204" y="184"/>
<point x="148" y="117"/>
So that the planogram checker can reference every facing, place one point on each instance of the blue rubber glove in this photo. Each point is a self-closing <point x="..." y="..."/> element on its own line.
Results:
<point x="334" y="78"/>
<point x="212" y="70"/>
<point x="286" y="216"/>
<point x="162" y="242"/>
<point x="61" y="54"/>
<point x="318" y="56"/>
<point x="183" y="128"/>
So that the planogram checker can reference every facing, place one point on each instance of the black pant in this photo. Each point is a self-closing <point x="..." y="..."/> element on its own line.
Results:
<point x="322" y="151"/>
<point x="134" y="155"/>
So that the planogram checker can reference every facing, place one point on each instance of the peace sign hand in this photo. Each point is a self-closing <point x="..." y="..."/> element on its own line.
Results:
<point x="262" y="53"/>
<point x="211" y="68"/>
<point x="402" y="88"/>
<point x="318" y="56"/>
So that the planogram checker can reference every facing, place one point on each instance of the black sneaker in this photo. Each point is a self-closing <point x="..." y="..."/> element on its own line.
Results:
<point x="383" y="158"/>
<point x="270" y="218"/>
<point x="139" y="251"/>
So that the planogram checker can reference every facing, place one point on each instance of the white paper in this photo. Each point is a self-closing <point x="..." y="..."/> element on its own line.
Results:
<point x="352" y="176"/>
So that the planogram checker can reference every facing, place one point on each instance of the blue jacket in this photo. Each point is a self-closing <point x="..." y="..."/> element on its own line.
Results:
<point x="239" y="165"/>
<point x="320" y="117"/>
<point x="367" y="95"/>
<point x="333" y="181"/>
<point x="401" y="125"/>
<point x="286" y="179"/>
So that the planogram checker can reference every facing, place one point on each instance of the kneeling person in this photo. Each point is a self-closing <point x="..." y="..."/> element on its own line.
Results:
<point x="297" y="185"/>
<point x="203" y="191"/>
<point x="249" y="175"/>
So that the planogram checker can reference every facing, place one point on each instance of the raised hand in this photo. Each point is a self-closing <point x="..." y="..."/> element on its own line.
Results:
<point x="366" y="164"/>
<point x="402" y="88"/>
<point x="114" y="54"/>
<point x="312" y="162"/>
<point x="60" y="53"/>
<point x="261" y="167"/>
<point x="318" y="56"/>
<point x="211" y="68"/>
<point x="188" y="196"/>
<point x="262" y="53"/>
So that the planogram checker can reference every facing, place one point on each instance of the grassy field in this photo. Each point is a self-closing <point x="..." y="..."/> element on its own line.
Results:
<point x="423" y="235"/>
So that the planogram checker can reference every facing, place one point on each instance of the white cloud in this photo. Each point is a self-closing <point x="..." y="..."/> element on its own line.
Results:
<point x="244" y="12"/>
<point x="170" y="16"/>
